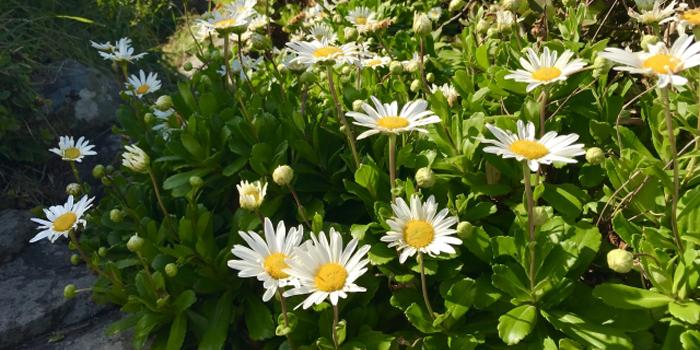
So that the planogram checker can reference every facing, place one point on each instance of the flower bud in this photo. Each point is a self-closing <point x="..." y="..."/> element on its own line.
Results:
<point x="345" y="79"/>
<point x="483" y="26"/>
<point x="240" y="95"/>
<point x="207" y="56"/>
<point x="102" y="251"/>
<point x="74" y="189"/>
<point x="283" y="175"/>
<point x="260" y="42"/>
<point x="171" y="270"/>
<point x="215" y="54"/>
<point x="327" y="103"/>
<point x="425" y="177"/>
<point x="135" y="243"/>
<point x="601" y="66"/>
<point x="396" y="67"/>
<point x="539" y="216"/>
<point x="413" y="66"/>
<point x="595" y="156"/>
<point x="205" y="80"/>
<point x="492" y="33"/>
<point x="70" y="291"/>
<point x="415" y="85"/>
<point x="649" y="40"/>
<point x="283" y="69"/>
<point x="162" y="301"/>
<point x="620" y="260"/>
<point x="357" y="105"/>
<point x="148" y="118"/>
<point x="98" y="171"/>
<point x="196" y="181"/>
<point x="75" y="259"/>
<point x="106" y="181"/>
<point x="464" y="229"/>
<point x="346" y="70"/>
<point x="116" y="215"/>
<point x="307" y="78"/>
<point x="337" y="18"/>
<point x="187" y="66"/>
<point x="109" y="170"/>
<point x="351" y="34"/>
<point x="421" y="24"/>
<point x="456" y="5"/>
<point x="136" y="159"/>
<point x="512" y="5"/>
<point x="430" y="77"/>
<point x="164" y="103"/>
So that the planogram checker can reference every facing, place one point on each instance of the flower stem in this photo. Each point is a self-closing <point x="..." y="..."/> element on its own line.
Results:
<point x="148" y="273"/>
<point x="531" y="224"/>
<point x="283" y="303"/>
<point x="88" y="262"/>
<point x="240" y="58"/>
<point x="424" y="286"/>
<point x="392" y="165"/>
<point x="160" y="201"/>
<point x="422" y="68"/>
<point x="227" y="64"/>
<point x="187" y="23"/>
<point x="334" y="331"/>
<point x="260" y="217"/>
<point x="543" y="120"/>
<point x="75" y="171"/>
<point x="299" y="206"/>
<point x="694" y="160"/>
<point x="674" y="156"/>
<point x="351" y="138"/>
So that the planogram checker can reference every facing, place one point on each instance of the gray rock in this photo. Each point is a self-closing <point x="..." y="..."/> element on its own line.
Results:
<point x="15" y="232"/>
<point x="32" y="302"/>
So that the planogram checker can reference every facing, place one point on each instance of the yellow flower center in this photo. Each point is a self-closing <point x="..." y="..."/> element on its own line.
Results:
<point x="330" y="277"/>
<point x="71" y="153"/>
<point x="692" y="16"/>
<point x="319" y="37"/>
<point x="529" y="149"/>
<point x="392" y="123"/>
<point x="328" y="52"/>
<point x="435" y="14"/>
<point x="546" y="74"/>
<point x="225" y="23"/>
<point x="659" y="63"/>
<point x="274" y="265"/>
<point x="374" y="62"/>
<point x="64" y="222"/>
<point x="361" y="20"/>
<point x="252" y="192"/>
<point x="418" y="233"/>
<point x="142" y="89"/>
<point x="241" y="9"/>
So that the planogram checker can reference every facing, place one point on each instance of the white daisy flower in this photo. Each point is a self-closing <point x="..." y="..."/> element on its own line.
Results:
<point x="376" y="62"/>
<point x="361" y="16"/>
<point x="414" y="60"/>
<point x="251" y="194"/>
<point x="659" y="61"/>
<point x="265" y="259"/>
<point x="289" y="61"/>
<point x="241" y="7"/>
<point x="73" y="151"/>
<point x="656" y="14"/>
<point x="122" y="52"/>
<point x="435" y="13"/>
<point x="322" y="30"/>
<point x="203" y="30"/>
<point x="323" y="51"/>
<point x="504" y="20"/>
<point x="525" y="147"/>
<point x="258" y="22"/>
<point x="136" y="159"/>
<point x="386" y="118"/>
<point x="60" y="219"/>
<point x="326" y="270"/>
<point x="314" y="14"/>
<point x="546" y="69"/>
<point x="141" y="85"/>
<point x="420" y="228"/>
<point x="687" y="19"/>
<point x="231" y="21"/>
<point x="448" y="91"/>
<point x="106" y="47"/>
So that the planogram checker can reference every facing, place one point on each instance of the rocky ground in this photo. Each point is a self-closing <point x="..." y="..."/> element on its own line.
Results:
<point x="32" y="307"/>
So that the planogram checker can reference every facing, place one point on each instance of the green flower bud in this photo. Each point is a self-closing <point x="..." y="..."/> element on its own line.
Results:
<point x="649" y="40"/>
<point x="116" y="215"/>
<point x="148" y="118"/>
<point x="396" y="67"/>
<point x="164" y="103"/>
<point x="98" y="171"/>
<point x="74" y="189"/>
<point x="215" y="54"/>
<point x="413" y="66"/>
<point x="483" y="26"/>
<point x="346" y="70"/>
<point x="595" y="156"/>
<point x="307" y="77"/>
<point x="240" y="95"/>
<point x="328" y="103"/>
<point x="109" y="170"/>
<point x="539" y="216"/>
<point x="196" y="181"/>
<point x="187" y="66"/>
<point x="512" y="5"/>
<point x="70" y="291"/>
<point x="430" y="77"/>
<point x="351" y="34"/>
<point x="259" y="41"/>
<point x="135" y="243"/>
<point x="346" y="79"/>
<point x="283" y="175"/>
<point x="415" y="85"/>
<point x="357" y="105"/>
<point x="162" y="301"/>
<point x="464" y="229"/>
<point x="620" y="260"/>
<point x="422" y="25"/>
<point x="75" y="259"/>
<point x="282" y="69"/>
<point x="171" y="270"/>
<point x="337" y="18"/>
<point x="425" y="177"/>
<point x="601" y="66"/>
<point x="106" y="181"/>
<point x="207" y="56"/>
<point x="456" y="5"/>
<point x="102" y="251"/>
<point x="205" y="80"/>
<point x="492" y="33"/>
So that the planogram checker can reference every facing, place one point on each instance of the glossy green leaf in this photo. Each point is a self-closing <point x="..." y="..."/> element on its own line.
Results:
<point x="517" y="324"/>
<point x="627" y="297"/>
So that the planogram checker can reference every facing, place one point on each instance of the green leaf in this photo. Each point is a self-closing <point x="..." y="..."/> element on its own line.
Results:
<point x="482" y="57"/>
<point x="217" y="331"/>
<point x="258" y="319"/>
<point x="685" y="311"/>
<point x="178" y="330"/>
<point x="565" y="198"/>
<point x="234" y="166"/>
<point x="208" y="104"/>
<point x="517" y="323"/>
<point x="145" y="326"/>
<point x="192" y="146"/>
<point x="479" y="243"/>
<point x="123" y="324"/>
<point x="184" y="301"/>
<point x="420" y="319"/>
<point x="505" y="279"/>
<point x="459" y="298"/>
<point x="375" y="340"/>
<point x="691" y="340"/>
<point x="80" y="19"/>
<point x="626" y="297"/>
<point x="593" y="335"/>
